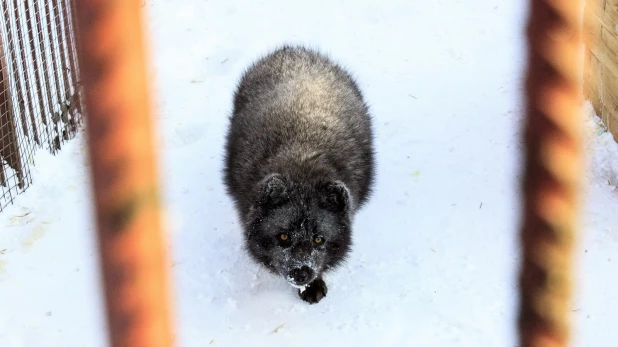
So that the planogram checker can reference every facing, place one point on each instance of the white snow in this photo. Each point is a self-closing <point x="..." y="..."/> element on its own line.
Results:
<point x="435" y="258"/>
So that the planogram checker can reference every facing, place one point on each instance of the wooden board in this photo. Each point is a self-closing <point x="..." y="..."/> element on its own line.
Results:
<point x="601" y="60"/>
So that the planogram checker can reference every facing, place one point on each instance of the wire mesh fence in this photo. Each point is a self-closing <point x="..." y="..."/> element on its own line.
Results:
<point x="40" y="102"/>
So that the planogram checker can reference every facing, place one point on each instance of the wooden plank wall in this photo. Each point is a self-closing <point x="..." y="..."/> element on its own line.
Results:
<point x="601" y="70"/>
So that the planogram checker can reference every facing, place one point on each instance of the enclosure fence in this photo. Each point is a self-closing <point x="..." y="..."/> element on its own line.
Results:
<point x="40" y="106"/>
<point x="40" y="103"/>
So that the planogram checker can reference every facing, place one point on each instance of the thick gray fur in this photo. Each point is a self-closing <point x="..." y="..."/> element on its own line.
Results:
<point x="299" y="161"/>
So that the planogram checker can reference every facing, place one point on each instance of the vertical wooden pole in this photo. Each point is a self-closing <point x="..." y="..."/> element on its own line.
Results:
<point x="552" y="171"/>
<point x="9" y="145"/>
<point x="20" y="40"/>
<point x="119" y="128"/>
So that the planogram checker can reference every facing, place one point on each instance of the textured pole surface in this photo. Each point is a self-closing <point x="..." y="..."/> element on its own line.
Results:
<point x="552" y="172"/>
<point x="132" y="248"/>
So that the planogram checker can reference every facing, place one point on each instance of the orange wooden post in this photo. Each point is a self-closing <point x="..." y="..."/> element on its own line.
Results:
<point x="123" y="166"/>
<point x="552" y="172"/>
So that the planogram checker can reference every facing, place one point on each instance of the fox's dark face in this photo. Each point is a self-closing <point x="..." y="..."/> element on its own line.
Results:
<point x="299" y="231"/>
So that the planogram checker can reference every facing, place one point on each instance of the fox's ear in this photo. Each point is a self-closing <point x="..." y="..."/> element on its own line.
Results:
<point x="335" y="197"/>
<point x="272" y="191"/>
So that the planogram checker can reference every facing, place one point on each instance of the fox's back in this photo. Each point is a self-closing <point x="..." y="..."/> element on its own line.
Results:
<point x="297" y="111"/>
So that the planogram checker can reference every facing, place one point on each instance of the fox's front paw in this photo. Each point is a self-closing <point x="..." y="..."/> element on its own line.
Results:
<point x="314" y="292"/>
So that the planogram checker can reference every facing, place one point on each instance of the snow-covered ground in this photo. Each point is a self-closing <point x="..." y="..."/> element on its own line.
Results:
<point x="436" y="251"/>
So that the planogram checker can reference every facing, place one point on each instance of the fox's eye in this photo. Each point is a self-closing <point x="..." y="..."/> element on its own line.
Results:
<point x="284" y="240"/>
<point x="318" y="240"/>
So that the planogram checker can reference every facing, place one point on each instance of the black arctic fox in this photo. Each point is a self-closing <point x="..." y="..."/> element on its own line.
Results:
<point x="299" y="163"/>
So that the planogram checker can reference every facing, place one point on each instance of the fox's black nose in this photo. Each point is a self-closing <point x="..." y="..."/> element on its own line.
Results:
<point x="302" y="275"/>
